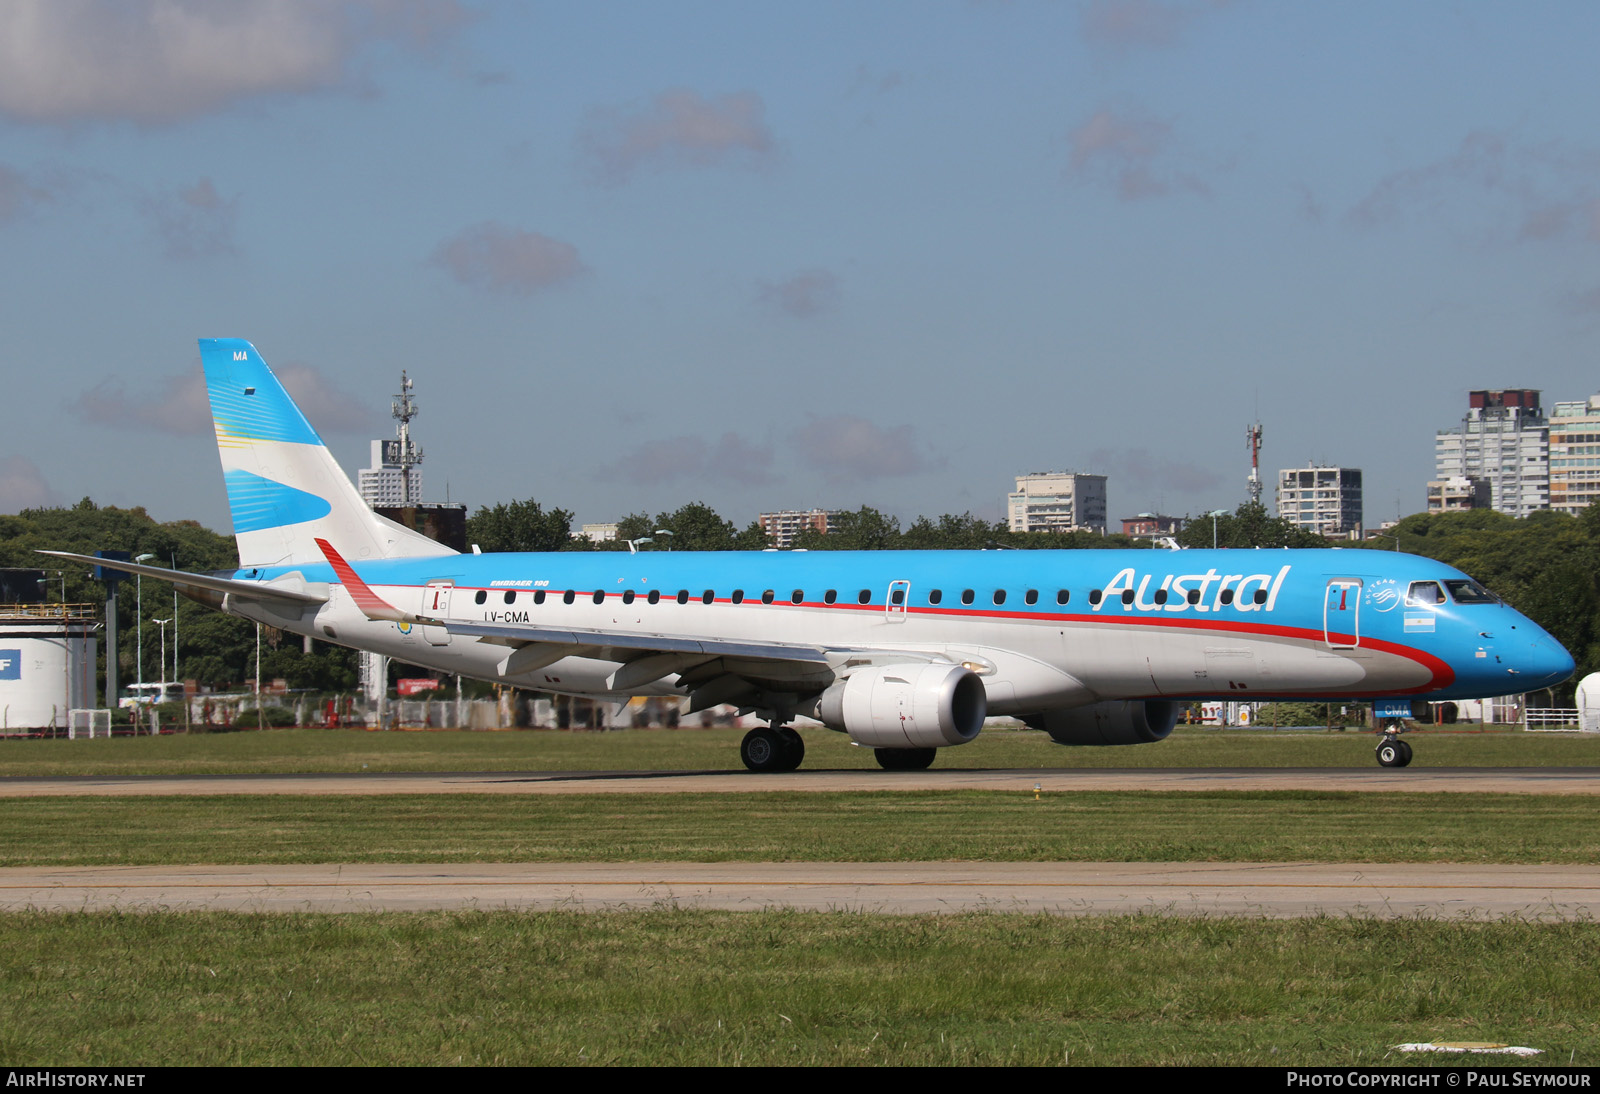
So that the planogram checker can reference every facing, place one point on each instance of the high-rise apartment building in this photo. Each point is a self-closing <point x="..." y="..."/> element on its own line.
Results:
<point x="1575" y="455"/>
<point x="1505" y="440"/>
<point x="1457" y="494"/>
<point x="783" y="528"/>
<point x="1058" y="501"/>
<point x="1324" y="500"/>
<point x="388" y="482"/>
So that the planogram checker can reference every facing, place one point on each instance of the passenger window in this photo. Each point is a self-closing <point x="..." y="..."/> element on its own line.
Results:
<point x="1160" y="597"/>
<point x="1095" y="596"/>
<point x="738" y="596"/>
<point x="966" y="596"/>
<point x="1062" y="596"/>
<point x="1031" y="596"/>
<point x="568" y="597"/>
<point x="1261" y="596"/>
<point x="797" y="597"/>
<point x="707" y="597"/>
<point x="1227" y="596"/>
<point x="830" y="596"/>
<point x="538" y="596"/>
<point x="999" y="596"/>
<point x="599" y="596"/>
<point x="766" y="596"/>
<point x="683" y="596"/>
<point x="511" y="597"/>
<point x="1127" y="596"/>
<point x="627" y="596"/>
<point x="934" y="596"/>
<point x="1194" y="596"/>
<point x="481" y="597"/>
<point x="1424" y="592"/>
<point x="864" y="596"/>
<point x="655" y="596"/>
<point x="898" y="596"/>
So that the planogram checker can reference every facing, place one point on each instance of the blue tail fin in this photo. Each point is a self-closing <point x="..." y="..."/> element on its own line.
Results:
<point x="284" y="487"/>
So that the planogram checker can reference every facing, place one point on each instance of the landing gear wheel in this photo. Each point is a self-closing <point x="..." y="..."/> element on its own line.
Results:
<point x="905" y="759"/>
<point x="794" y="748"/>
<point x="1393" y="752"/>
<point x="762" y="750"/>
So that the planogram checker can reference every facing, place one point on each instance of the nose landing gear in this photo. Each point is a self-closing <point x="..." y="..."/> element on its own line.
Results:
<point x="1392" y="751"/>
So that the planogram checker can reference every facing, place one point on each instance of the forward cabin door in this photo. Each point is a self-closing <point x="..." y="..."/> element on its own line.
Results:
<point x="436" y="605"/>
<point x="1341" y="613"/>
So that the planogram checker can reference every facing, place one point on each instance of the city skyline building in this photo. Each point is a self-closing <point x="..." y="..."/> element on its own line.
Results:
<point x="1324" y="500"/>
<point x="1057" y="501"/>
<point x="1504" y="439"/>
<point x="1454" y="495"/>
<point x="784" y="527"/>
<point x="1575" y="454"/>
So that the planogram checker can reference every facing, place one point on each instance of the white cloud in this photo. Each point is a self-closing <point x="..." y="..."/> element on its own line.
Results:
<point x="846" y="448"/>
<point x="195" y="222"/>
<point x="157" y="61"/>
<point x="503" y="259"/>
<point x="732" y="459"/>
<point x="179" y="404"/>
<point x="803" y="295"/>
<point x="1133" y="152"/>
<point x="680" y="128"/>
<point x="22" y="486"/>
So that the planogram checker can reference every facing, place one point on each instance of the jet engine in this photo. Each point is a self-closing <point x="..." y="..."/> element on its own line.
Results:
<point x="1116" y="723"/>
<point x="906" y="706"/>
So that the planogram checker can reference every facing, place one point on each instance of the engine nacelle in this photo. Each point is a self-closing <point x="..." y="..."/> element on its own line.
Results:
<point x="1137" y="722"/>
<point x="906" y="706"/>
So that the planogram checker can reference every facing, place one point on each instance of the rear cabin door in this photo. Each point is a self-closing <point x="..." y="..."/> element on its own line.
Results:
<point x="436" y="605"/>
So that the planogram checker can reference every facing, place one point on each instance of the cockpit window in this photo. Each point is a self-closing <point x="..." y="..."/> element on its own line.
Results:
<point x="1424" y="592"/>
<point x="1470" y="592"/>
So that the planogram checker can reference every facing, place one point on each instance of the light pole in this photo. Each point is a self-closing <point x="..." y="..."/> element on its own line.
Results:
<point x="1380" y="535"/>
<point x="665" y="532"/>
<point x="633" y="544"/>
<point x="1214" y="514"/>
<point x="162" y="623"/>
<point x="138" y="641"/>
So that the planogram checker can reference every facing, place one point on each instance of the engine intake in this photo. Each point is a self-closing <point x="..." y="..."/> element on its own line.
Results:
<point x="906" y="706"/>
<point x="1136" y="722"/>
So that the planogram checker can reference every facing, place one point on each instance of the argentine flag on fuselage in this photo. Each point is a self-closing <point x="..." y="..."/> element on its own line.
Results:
<point x="284" y="488"/>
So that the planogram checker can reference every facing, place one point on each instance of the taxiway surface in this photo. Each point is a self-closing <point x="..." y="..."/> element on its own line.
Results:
<point x="1271" y="890"/>
<point x="1462" y="780"/>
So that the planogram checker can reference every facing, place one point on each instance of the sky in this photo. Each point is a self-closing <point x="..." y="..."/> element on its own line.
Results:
<point x="793" y="255"/>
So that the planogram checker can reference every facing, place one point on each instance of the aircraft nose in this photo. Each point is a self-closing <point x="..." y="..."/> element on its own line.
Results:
<point x="1547" y="663"/>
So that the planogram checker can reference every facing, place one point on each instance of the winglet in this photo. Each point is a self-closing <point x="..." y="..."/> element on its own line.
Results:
<point x="371" y="604"/>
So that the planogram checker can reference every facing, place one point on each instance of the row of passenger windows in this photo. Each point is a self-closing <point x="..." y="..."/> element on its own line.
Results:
<point x="897" y="595"/>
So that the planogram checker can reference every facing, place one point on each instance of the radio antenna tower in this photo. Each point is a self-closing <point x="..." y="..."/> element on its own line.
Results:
<point x="1253" y="438"/>
<point x="409" y="455"/>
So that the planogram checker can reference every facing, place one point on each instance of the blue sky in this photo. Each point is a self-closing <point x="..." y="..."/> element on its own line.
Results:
<point x="785" y="255"/>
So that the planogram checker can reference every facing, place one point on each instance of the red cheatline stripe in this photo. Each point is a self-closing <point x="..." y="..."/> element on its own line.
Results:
<point x="367" y="600"/>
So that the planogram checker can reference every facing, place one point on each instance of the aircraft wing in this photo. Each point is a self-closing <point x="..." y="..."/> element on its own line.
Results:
<point x="249" y="590"/>
<point x="519" y="633"/>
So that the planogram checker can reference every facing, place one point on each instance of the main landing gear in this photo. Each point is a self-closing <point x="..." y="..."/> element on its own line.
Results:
<point x="772" y="748"/>
<point x="1392" y="751"/>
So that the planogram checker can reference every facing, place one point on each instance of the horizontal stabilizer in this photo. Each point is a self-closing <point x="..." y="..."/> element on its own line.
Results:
<point x="371" y="604"/>
<point x="249" y="590"/>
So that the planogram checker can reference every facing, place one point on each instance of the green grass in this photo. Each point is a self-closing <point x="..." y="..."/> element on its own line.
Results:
<point x="1272" y="826"/>
<point x="677" y="987"/>
<point x="316" y="750"/>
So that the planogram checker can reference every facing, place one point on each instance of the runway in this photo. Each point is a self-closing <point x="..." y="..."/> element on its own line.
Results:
<point x="1456" y="780"/>
<point x="1267" y="890"/>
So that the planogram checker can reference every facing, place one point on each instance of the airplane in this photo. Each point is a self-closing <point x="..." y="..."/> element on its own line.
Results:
<point x="907" y="652"/>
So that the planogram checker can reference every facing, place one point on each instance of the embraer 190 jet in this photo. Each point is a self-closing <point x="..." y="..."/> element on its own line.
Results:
<point x="905" y="651"/>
